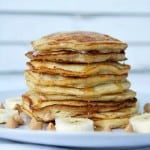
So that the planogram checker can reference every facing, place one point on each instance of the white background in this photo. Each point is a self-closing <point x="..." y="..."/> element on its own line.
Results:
<point x="22" y="21"/>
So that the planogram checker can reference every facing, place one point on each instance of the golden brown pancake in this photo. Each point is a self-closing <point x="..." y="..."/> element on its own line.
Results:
<point x="79" y="40"/>
<point x="114" y="119"/>
<point x="121" y="113"/>
<point x="79" y="70"/>
<point x="57" y="80"/>
<point x="91" y="92"/>
<point x="95" y="112"/>
<point x="38" y="105"/>
<point x="66" y="56"/>
<point x="100" y="124"/>
<point x="111" y="123"/>
<point x="116" y="97"/>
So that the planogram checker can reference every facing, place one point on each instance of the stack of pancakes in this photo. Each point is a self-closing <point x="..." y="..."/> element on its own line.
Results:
<point x="79" y="74"/>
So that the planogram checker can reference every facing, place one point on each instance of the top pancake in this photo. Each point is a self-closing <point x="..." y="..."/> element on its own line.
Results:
<point x="80" y="40"/>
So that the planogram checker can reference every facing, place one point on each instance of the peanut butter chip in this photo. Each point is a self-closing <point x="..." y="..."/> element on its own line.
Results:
<point x="1" y="106"/>
<point x="11" y="123"/>
<point x="35" y="125"/>
<point x="128" y="128"/>
<point x="107" y="129"/>
<point x="50" y="127"/>
<point x="147" y="107"/>
<point x="18" y="107"/>
<point x="18" y="119"/>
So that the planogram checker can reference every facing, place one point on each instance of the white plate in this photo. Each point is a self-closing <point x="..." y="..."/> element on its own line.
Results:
<point x="116" y="139"/>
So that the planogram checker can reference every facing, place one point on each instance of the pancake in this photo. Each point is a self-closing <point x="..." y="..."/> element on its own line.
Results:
<point x="66" y="56"/>
<point x="57" y="80"/>
<point x="114" y="119"/>
<point x="121" y="113"/>
<point x="94" y="113"/>
<point x="39" y="97"/>
<point x="91" y="92"/>
<point x="79" y="40"/>
<point x="112" y="123"/>
<point x="38" y="105"/>
<point x="99" y="124"/>
<point x="78" y="70"/>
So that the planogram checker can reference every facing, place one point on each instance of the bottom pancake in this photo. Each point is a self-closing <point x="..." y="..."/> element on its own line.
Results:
<point x="111" y="123"/>
<point x="113" y="119"/>
<point x="97" y="111"/>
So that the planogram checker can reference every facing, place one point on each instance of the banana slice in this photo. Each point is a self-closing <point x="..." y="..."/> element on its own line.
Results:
<point x="74" y="124"/>
<point x="6" y="114"/>
<point x="141" y="123"/>
<point x="12" y="102"/>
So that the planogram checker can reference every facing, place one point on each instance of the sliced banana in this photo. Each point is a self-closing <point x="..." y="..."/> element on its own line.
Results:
<point x="10" y="103"/>
<point x="141" y="123"/>
<point x="6" y="114"/>
<point x="74" y="124"/>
